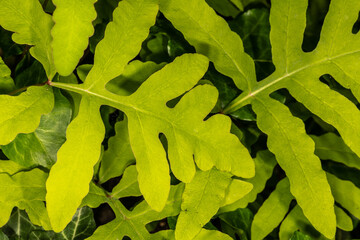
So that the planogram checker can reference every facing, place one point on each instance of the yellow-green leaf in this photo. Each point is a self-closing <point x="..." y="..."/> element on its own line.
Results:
<point x="21" y="114"/>
<point x="73" y="27"/>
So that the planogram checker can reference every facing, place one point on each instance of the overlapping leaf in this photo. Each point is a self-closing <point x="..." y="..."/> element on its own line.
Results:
<point x="273" y="211"/>
<point x="297" y="71"/>
<point x="41" y="146"/>
<point x="25" y="190"/>
<point x="19" y="226"/>
<point x="21" y="114"/>
<point x="132" y="223"/>
<point x="6" y="82"/>
<point x="186" y="131"/>
<point x="201" y="200"/>
<point x="32" y="26"/>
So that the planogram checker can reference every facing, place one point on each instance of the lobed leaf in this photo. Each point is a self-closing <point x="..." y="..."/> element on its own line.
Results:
<point x="308" y="181"/>
<point x="201" y="199"/>
<point x="73" y="27"/>
<point x="86" y="132"/>
<point x="40" y="147"/>
<point x="224" y="48"/>
<point x="183" y="127"/>
<point x="32" y="27"/>
<point x="122" y="41"/>
<point x="298" y="72"/>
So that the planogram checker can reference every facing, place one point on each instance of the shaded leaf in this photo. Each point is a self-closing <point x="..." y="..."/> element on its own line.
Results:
<point x="254" y="28"/>
<point x="81" y="226"/>
<point x="300" y="236"/>
<point x="132" y="224"/>
<point x="240" y="220"/>
<point x="32" y="27"/>
<point x="41" y="146"/>
<point x="331" y="147"/>
<point x="343" y="220"/>
<point x="6" y="82"/>
<point x="346" y="194"/>
<point x="272" y="211"/>
<point x="21" y="114"/>
<point x="119" y="154"/>
<point x="128" y="185"/>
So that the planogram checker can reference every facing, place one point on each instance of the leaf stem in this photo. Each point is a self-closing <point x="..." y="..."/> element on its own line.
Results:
<point x="16" y="91"/>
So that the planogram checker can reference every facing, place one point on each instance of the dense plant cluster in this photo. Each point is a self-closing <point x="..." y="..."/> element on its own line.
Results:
<point x="179" y="119"/>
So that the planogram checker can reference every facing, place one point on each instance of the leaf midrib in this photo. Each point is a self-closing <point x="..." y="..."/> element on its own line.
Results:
<point x="265" y="86"/>
<point x="119" y="102"/>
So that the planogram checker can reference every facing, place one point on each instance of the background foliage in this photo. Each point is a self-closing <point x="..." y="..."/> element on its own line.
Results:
<point x="102" y="133"/>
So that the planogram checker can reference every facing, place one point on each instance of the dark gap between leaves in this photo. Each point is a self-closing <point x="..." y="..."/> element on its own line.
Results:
<point x="315" y="16"/>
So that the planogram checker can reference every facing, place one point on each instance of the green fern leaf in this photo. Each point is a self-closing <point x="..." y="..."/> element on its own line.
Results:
<point x="331" y="147"/>
<point x="301" y="165"/>
<point x="148" y="116"/>
<point x="73" y="27"/>
<point x="273" y="211"/>
<point x="224" y="48"/>
<point x="110" y="60"/>
<point x="346" y="194"/>
<point x="202" y="198"/>
<point x="32" y="26"/>
<point x="299" y="72"/>
<point x="264" y="166"/>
